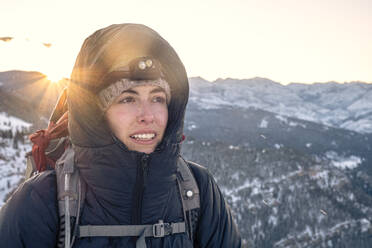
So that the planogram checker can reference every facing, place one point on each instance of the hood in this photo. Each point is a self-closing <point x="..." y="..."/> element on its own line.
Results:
<point x="101" y="53"/>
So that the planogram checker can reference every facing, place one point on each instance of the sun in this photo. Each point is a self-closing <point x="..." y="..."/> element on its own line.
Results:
<point x="55" y="76"/>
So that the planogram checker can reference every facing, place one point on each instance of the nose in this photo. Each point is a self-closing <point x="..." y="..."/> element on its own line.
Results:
<point x="145" y="114"/>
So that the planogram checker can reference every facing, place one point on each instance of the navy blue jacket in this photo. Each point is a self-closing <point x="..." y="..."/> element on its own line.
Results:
<point x="30" y="217"/>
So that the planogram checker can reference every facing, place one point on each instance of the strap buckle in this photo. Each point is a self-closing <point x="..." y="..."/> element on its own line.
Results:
<point x="158" y="229"/>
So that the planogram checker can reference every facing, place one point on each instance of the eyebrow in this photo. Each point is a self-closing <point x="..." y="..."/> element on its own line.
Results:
<point x="130" y="91"/>
<point x="157" y="89"/>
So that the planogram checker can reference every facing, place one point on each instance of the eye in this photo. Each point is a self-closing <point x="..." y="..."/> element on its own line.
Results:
<point x="127" y="99"/>
<point x="158" y="99"/>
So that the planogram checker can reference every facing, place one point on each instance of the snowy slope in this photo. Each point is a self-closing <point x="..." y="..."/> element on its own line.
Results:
<point x="284" y="198"/>
<point x="12" y="166"/>
<point x="13" y="149"/>
<point x="12" y="123"/>
<point x="347" y="105"/>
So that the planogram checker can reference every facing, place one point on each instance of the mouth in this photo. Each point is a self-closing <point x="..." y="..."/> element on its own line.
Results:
<point x="143" y="137"/>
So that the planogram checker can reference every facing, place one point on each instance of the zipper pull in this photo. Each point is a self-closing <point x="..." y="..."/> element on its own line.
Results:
<point x="144" y="159"/>
<point x="144" y="164"/>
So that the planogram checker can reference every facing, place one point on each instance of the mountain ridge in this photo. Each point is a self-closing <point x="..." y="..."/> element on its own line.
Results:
<point x="333" y="104"/>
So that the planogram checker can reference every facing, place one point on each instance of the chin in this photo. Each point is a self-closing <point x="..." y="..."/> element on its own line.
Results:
<point x="146" y="150"/>
<point x="138" y="147"/>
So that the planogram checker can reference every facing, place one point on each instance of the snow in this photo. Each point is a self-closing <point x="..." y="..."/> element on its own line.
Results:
<point x="235" y="176"/>
<point x="282" y="118"/>
<point x="263" y="124"/>
<point x="351" y="197"/>
<point x="231" y="147"/>
<point x="363" y="103"/>
<point x="365" y="224"/>
<point x="307" y="232"/>
<point x="323" y="235"/>
<point x="273" y="220"/>
<point x="191" y="127"/>
<point x="12" y="156"/>
<point x="278" y="146"/>
<point x="12" y="165"/>
<point x="339" y="226"/>
<point x="255" y="184"/>
<point x="350" y="163"/>
<point x="322" y="178"/>
<point x="343" y="162"/>
<point x="295" y="124"/>
<point x="361" y="126"/>
<point x="8" y="122"/>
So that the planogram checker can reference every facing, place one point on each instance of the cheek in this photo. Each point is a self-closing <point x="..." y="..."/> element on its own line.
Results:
<point x="162" y="117"/>
<point x="118" y="119"/>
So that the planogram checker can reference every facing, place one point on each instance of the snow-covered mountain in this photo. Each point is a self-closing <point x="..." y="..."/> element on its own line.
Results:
<point x="290" y="182"/>
<point x="347" y="105"/>
<point x="294" y="161"/>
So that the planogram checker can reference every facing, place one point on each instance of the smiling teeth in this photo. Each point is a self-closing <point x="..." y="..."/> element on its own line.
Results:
<point x="144" y="136"/>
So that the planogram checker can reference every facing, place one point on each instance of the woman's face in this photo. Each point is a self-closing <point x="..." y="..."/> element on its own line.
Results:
<point x="138" y="117"/>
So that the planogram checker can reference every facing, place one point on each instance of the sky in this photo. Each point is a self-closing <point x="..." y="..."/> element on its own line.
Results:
<point x="283" y="40"/>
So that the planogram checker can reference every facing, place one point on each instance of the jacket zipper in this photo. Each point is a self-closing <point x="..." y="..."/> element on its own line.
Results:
<point x="143" y="171"/>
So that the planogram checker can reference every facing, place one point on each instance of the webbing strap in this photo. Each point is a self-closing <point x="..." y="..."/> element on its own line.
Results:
<point x="188" y="186"/>
<point x="157" y="230"/>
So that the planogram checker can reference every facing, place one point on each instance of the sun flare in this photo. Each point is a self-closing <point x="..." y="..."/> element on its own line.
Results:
<point x="55" y="77"/>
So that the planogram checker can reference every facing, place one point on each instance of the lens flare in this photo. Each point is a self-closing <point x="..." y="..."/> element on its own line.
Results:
<point x="54" y="76"/>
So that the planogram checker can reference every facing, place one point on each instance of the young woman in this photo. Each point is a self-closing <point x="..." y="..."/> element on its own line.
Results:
<point x="126" y="106"/>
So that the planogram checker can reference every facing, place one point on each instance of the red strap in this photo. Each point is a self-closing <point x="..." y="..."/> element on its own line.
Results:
<point x="41" y="139"/>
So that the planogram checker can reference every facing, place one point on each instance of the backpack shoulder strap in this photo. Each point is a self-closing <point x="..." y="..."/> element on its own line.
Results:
<point x="30" y="166"/>
<point x="190" y="196"/>
<point x="188" y="185"/>
<point x="70" y="197"/>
